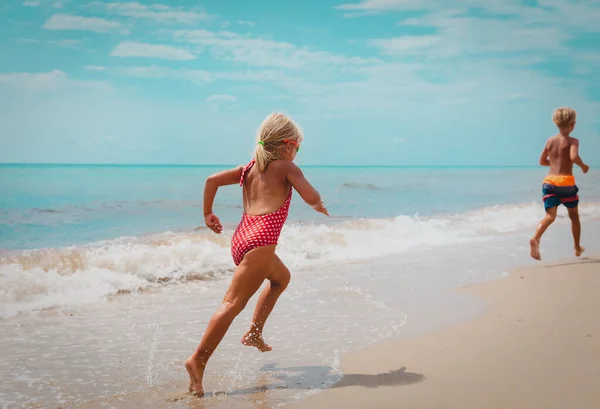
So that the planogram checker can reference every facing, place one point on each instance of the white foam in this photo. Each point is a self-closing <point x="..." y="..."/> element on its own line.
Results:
<point x="39" y="279"/>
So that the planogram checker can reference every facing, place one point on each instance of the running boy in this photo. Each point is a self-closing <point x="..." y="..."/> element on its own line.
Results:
<point x="560" y="153"/>
<point x="267" y="183"/>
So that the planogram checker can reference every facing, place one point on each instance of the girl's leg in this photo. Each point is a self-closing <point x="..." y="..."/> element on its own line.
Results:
<point x="247" y="279"/>
<point x="279" y="278"/>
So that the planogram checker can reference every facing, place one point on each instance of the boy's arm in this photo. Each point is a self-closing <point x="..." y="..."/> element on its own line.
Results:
<point x="544" y="156"/>
<point x="213" y="182"/>
<point x="308" y="193"/>
<point x="574" y="153"/>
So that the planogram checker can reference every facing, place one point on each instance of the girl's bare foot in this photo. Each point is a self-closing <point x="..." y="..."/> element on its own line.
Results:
<point x="252" y="339"/>
<point x="579" y="251"/>
<point x="196" y="372"/>
<point x="535" y="249"/>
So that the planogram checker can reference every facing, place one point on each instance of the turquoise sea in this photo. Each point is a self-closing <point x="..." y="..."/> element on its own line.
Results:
<point x="61" y="205"/>
<point x="112" y="265"/>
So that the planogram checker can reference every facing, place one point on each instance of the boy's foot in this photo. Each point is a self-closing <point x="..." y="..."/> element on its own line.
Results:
<point x="579" y="251"/>
<point x="254" y="340"/>
<point x="196" y="372"/>
<point x="535" y="249"/>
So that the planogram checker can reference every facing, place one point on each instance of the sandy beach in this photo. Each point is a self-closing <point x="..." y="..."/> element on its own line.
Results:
<point x="108" y="321"/>
<point x="536" y="346"/>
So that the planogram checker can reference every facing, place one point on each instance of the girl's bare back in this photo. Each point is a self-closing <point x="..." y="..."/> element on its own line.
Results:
<point x="265" y="192"/>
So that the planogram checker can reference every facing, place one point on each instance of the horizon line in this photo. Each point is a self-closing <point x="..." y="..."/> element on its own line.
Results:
<point x="98" y="164"/>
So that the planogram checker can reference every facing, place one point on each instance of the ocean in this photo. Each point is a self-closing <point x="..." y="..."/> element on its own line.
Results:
<point x="108" y="275"/>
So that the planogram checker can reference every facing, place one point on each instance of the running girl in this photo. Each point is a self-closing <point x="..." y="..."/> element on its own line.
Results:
<point x="267" y="183"/>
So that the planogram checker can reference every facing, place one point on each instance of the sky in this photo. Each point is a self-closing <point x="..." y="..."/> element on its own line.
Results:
<point x="371" y="82"/>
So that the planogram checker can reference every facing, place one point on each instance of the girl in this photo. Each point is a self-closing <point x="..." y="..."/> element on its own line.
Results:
<point x="267" y="191"/>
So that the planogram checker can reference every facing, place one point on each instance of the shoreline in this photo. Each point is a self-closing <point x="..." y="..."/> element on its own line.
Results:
<point x="537" y="344"/>
<point x="140" y="339"/>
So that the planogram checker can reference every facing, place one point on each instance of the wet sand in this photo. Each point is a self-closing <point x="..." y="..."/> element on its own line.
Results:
<point x="536" y="346"/>
<point x="128" y="352"/>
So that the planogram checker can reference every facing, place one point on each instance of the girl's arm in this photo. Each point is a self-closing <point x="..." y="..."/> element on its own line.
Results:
<point x="213" y="182"/>
<point x="308" y="193"/>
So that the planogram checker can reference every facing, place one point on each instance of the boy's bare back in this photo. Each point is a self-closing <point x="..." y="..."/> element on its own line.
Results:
<point x="559" y="149"/>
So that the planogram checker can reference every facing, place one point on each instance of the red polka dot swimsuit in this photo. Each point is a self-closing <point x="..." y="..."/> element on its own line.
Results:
<point x="257" y="231"/>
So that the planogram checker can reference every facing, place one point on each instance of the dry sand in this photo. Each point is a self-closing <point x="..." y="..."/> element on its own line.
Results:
<point x="537" y="346"/>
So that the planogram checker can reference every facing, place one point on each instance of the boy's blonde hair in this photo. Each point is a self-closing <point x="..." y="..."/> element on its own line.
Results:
<point x="271" y="134"/>
<point x="564" y="117"/>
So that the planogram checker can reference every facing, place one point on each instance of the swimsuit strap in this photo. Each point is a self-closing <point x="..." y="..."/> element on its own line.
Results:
<point x="246" y="169"/>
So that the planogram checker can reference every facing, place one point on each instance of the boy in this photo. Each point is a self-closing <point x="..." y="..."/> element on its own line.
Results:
<point x="560" y="153"/>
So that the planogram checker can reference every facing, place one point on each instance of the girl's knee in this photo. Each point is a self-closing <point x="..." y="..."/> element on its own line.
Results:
<point x="282" y="280"/>
<point x="234" y="306"/>
<point x="285" y="281"/>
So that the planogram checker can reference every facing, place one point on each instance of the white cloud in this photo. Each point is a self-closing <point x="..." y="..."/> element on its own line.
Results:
<point x="580" y="16"/>
<point x="166" y="52"/>
<point x="396" y="45"/>
<point x="157" y="12"/>
<point x="380" y="5"/>
<point x="471" y="35"/>
<point x="194" y="76"/>
<point x="454" y="7"/>
<point x="221" y="98"/>
<point x="265" y="52"/>
<point x="31" y="3"/>
<point x="67" y="43"/>
<point x="202" y="77"/>
<point x="246" y="23"/>
<point x="41" y="81"/>
<point x="45" y="81"/>
<point x="504" y="28"/>
<point x="516" y="98"/>
<point x="381" y="86"/>
<point x="28" y="40"/>
<point x="70" y="22"/>
<point x="95" y="68"/>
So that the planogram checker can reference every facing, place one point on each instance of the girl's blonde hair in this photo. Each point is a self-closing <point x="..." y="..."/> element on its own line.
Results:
<point x="271" y="134"/>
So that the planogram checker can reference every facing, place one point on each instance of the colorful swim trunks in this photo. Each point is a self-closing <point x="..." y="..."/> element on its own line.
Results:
<point x="560" y="189"/>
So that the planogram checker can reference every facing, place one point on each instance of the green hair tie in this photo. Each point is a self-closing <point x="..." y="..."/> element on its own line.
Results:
<point x="261" y="143"/>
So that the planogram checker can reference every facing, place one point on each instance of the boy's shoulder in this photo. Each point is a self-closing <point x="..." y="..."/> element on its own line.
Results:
<point x="551" y="140"/>
<point x="560" y="141"/>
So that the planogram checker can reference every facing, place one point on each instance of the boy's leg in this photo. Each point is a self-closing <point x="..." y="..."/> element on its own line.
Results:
<point x="534" y="243"/>
<point x="247" y="279"/>
<point x="576" y="229"/>
<point x="279" y="278"/>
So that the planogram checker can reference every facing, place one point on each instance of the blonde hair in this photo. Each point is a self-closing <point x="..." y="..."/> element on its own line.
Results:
<point x="275" y="128"/>
<point x="563" y="117"/>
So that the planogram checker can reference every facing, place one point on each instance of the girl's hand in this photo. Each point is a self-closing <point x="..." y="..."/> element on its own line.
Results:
<point x="321" y="209"/>
<point x="213" y="223"/>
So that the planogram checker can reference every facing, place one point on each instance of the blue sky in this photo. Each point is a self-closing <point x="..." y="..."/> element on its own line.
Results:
<point x="390" y="82"/>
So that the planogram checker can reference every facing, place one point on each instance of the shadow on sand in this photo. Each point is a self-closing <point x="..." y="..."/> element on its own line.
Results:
<point x="583" y="260"/>
<point x="323" y="377"/>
